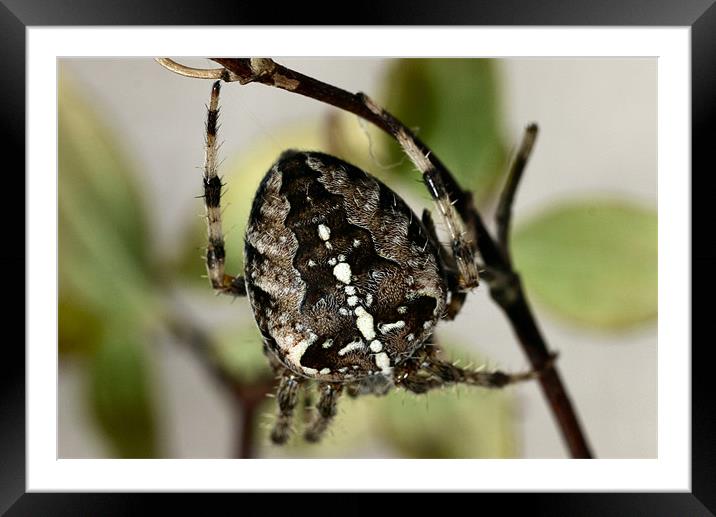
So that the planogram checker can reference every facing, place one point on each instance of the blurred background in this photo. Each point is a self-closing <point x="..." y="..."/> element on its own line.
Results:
<point x="153" y="364"/>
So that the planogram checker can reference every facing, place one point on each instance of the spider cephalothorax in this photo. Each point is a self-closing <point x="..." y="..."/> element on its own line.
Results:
<point x="345" y="281"/>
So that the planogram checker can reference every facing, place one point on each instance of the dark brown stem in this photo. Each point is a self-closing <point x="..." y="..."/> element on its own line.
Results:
<point x="245" y="445"/>
<point x="503" y="216"/>
<point x="249" y="398"/>
<point x="505" y="286"/>
<point x="507" y="291"/>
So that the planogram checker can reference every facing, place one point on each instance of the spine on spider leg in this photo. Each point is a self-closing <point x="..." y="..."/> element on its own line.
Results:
<point x="215" y="253"/>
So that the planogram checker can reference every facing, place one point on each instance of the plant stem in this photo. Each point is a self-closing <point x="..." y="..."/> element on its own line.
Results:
<point x="248" y="398"/>
<point x="503" y="216"/>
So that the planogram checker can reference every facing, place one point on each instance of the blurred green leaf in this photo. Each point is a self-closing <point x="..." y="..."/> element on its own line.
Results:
<point x="80" y="328"/>
<point x="105" y="271"/>
<point x="107" y="284"/>
<point x="593" y="262"/>
<point x="120" y="394"/>
<point x="453" y="422"/>
<point x="94" y="171"/>
<point x="456" y="422"/>
<point x="453" y="106"/>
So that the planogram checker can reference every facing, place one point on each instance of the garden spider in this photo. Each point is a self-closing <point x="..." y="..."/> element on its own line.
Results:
<point x="346" y="283"/>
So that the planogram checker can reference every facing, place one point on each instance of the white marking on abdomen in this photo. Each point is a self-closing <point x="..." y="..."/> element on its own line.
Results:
<point x="324" y="232"/>
<point x="342" y="272"/>
<point x="353" y="345"/>
<point x="296" y="352"/>
<point x="387" y="327"/>
<point x="365" y="323"/>
<point x="383" y="362"/>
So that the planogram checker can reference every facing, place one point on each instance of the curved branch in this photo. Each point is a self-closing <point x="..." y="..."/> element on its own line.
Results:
<point x="503" y="216"/>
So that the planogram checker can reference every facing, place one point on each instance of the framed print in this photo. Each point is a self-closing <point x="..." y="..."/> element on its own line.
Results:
<point x="339" y="350"/>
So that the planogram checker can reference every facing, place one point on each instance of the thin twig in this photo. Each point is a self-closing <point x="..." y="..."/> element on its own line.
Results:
<point x="503" y="216"/>
<point x="505" y="285"/>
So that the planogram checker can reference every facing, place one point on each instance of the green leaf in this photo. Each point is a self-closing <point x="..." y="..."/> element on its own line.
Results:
<point x="119" y="394"/>
<point x="79" y="327"/>
<point x="104" y="263"/>
<point x="593" y="262"/>
<point x="107" y="280"/>
<point x="453" y="106"/>
<point x="95" y="173"/>
<point x="453" y="422"/>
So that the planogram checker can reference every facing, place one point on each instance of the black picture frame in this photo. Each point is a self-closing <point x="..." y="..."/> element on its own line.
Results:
<point x="700" y="15"/>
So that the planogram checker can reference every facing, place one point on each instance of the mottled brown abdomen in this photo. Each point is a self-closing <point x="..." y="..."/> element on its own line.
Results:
<point x="342" y="277"/>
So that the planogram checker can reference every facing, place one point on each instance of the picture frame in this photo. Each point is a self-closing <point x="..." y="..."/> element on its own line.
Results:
<point x="700" y="16"/>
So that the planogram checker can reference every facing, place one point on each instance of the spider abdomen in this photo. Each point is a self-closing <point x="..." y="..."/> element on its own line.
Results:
<point x="342" y="276"/>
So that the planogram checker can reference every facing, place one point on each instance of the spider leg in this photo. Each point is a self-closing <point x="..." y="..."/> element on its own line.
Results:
<point x="437" y="182"/>
<point x="325" y="410"/>
<point x="457" y="296"/>
<point x="354" y="389"/>
<point x="409" y="376"/>
<point x="447" y="373"/>
<point x="287" y="398"/>
<point x="429" y="372"/>
<point x="215" y="252"/>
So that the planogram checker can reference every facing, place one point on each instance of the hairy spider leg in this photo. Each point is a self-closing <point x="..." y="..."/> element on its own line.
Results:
<point x="462" y="248"/>
<point x="325" y="410"/>
<point x="215" y="251"/>
<point x="429" y="372"/>
<point x="448" y="373"/>
<point x="287" y="398"/>
<point x="457" y="295"/>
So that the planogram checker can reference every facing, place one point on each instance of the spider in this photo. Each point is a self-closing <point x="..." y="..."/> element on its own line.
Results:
<point x="345" y="281"/>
